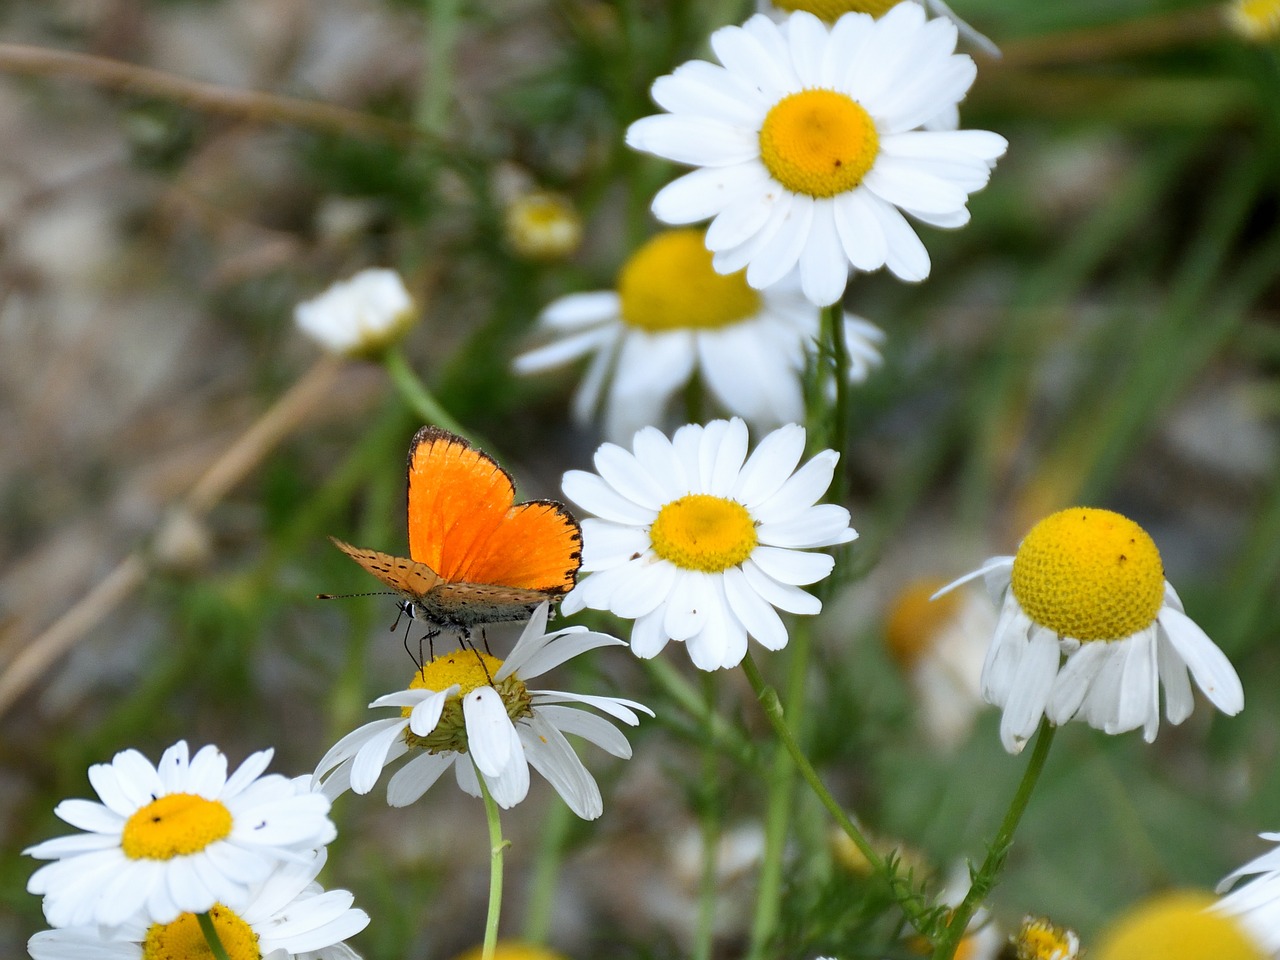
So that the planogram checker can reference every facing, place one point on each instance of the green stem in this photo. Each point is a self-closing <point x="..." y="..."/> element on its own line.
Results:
<point x="542" y="882"/>
<point x="497" y="846"/>
<point x="985" y="878"/>
<point x="768" y="697"/>
<point x="211" y="935"/>
<point x="415" y="393"/>
<point x="725" y="735"/>
<point x="709" y="817"/>
<point x="436" y="93"/>
<point x="779" y="804"/>
<point x="833" y="319"/>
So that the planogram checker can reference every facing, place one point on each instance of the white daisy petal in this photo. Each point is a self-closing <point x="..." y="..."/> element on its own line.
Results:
<point x="793" y="567"/>
<point x="784" y="596"/>
<point x="591" y="493"/>
<point x="693" y="140"/>
<point x="753" y="611"/>
<point x="823" y="525"/>
<point x="552" y="756"/>
<point x="800" y="491"/>
<point x="705" y="90"/>
<point x="488" y="730"/>
<point x="1209" y="666"/>
<point x="770" y="465"/>
<point x="824" y="272"/>
<point x="708" y="192"/>
<point x="588" y="726"/>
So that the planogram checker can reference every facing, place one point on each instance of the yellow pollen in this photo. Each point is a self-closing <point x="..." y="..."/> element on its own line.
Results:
<point x="833" y="10"/>
<point x="174" y="825"/>
<point x="469" y="669"/>
<point x="1041" y="940"/>
<point x="818" y="142"/>
<point x="1089" y="574"/>
<point x="669" y="284"/>
<point x="1256" y="20"/>
<point x="1176" y="926"/>
<point x="915" y="622"/>
<point x="702" y="532"/>
<point x="184" y="940"/>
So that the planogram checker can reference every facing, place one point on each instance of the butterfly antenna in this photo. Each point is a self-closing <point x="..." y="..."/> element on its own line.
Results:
<point x="349" y="596"/>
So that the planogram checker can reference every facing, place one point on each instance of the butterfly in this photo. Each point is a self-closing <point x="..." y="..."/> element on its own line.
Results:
<point x="475" y="555"/>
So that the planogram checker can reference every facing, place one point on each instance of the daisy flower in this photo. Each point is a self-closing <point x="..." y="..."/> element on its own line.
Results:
<point x="807" y="143"/>
<point x="1088" y="585"/>
<point x="176" y="837"/>
<point x="287" y="916"/>
<point x="1039" y="939"/>
<point x="358" y="316"/>
<point x="696" y="542"/>
<point x="673" y="317"/>
<point x="473" y="712"/>
<point x="542" y="225"/>
<point x="1176" y="925"/>
<point x="1256" y="904"/>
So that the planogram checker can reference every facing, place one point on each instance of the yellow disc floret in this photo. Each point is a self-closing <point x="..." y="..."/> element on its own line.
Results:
<point x="669" y="284"/>
<point x="184" y="940"/>
<point x="513" y="950"/>
<point x="702" y="532"/>
<point x="833" y="10"/>
<point x="1177" y="926"/>
<point x="469" y="669"/>
<point x="174" y="825"/>
<point x="818" y="142"/>
<point x="915" y="621"/>
<point x="1089" y="574"/>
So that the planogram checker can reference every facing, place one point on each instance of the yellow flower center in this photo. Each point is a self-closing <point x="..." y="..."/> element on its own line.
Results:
<point x="818" y="142"/>
<point x="702" y="532"/>
<point x="543" y="225"/>
<point x="669" y="284"/>
<point x="1176" y="926"/>
<point x="1089" y="574"/>
<point x="1041" y="940"/>
<point x="513" y="950"/>
<point x="915" y="621"/>
<point x="1255" y="19"/>
<point x="174" y="825"/>
<point x="184" y="940"/>
<point x="833" y="10"/>
<point x="469" y="669"/>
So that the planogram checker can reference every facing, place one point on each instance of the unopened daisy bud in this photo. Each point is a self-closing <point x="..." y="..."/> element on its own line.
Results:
<point x="939" y="645"/>
<point x="1038" y="939"/>
<point x="158" y="827"/>
<point x="542" y="225"/>
<point x="1177" y="926"/>
<point x="1255" y="20"/>
<point x="359" y="316"/>
<point x="1090" y="629"/>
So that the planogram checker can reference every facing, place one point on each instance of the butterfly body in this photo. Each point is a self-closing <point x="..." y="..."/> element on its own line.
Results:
<point x="475" y="555"/>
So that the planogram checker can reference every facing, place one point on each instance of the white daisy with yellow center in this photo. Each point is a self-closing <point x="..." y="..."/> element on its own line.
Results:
<point x="473" y="712"/>
<point x="1256" y="905"/>
<point x="807" y="143"/>
<point x="288" y="915"/>
<point x="360" y="315"/>
<point x="177" y="837"/>
<point x="673" y="317"/>
<point x="1088" y="585"/>
<point x="1256" y="20"/>
<point x="698" y="543"/>
<point x="1040" y="939"/>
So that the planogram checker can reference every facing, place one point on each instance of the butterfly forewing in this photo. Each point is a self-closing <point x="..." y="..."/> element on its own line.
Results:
<point x="464" y="522"/>
<point x="458" y="496"/>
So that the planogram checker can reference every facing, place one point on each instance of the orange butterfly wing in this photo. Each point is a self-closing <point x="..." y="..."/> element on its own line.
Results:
<point x="407" y="577"/>
<point x="465" y="525"/>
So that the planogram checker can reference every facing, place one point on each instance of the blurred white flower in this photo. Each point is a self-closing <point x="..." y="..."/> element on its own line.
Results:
<point x="359" y="316"/>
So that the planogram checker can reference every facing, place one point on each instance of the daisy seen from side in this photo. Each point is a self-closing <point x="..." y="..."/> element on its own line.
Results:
<point x="176" y="837"/>
<point x="1255" y="905"/>
<point x="1090" y="629"/>
<point x="699" y="543"/>
<point x="808" y="150"/>
<point x="359" y="315"/>
<point x="285" y="917"/>
<point x="673" y="318"/>
<point x="473" y="712"/>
